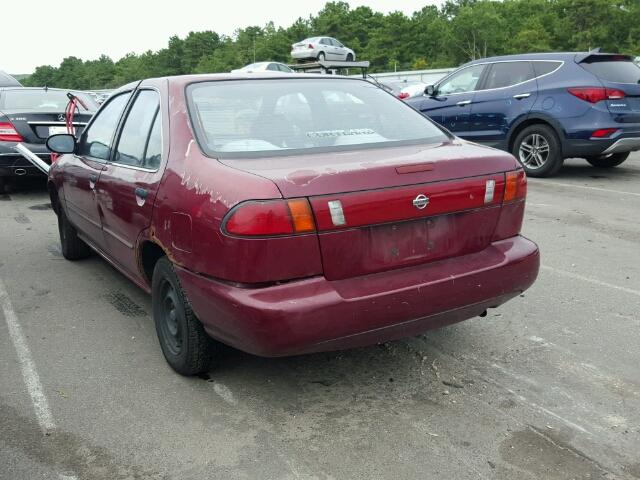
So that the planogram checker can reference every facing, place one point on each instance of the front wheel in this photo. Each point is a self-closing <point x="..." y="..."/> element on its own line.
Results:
<point x="608" y="161"/>
<point x="538" y="149"/>
<point x="185" y="345"/>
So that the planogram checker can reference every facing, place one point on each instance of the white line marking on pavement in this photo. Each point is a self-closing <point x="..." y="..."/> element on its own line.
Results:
<point x="590" y="280"/>
<point x="225" y="393"/>
<point x="29" y="373"/>
<point x="571" y="185"/>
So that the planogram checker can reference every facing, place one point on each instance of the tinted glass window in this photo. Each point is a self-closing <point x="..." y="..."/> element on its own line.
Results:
<point x="96" y="140"/>
<point x="462" y="81"/>
<point x="263" y="117"/>
<point x="614" y="71"/>
<point x="273" y="67"/>
<point x="135" y="133"/>
<point x="542" y="68"/>
<point x="325" y="41"/>
<point x="153" y="155"/>
<point x="505" y="74"/>
<point x="41" y="100"/>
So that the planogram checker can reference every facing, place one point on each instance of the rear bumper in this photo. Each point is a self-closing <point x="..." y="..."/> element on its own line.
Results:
<point x="315" y="314"/>
<point x="12" y="164"/>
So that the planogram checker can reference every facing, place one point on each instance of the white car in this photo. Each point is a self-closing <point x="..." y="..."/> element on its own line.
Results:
<point x="321" y="49"/>
<point x="263" y="67"/>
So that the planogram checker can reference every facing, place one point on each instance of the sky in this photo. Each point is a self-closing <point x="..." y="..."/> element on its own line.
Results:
<point x="117" y="27"/>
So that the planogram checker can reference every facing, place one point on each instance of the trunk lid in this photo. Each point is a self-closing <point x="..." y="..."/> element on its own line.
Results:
<point x="36" y="127"/>
<point x="389" y="208"/>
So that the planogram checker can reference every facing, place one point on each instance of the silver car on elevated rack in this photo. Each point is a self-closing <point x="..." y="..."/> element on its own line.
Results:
<point x="322" y="48"/>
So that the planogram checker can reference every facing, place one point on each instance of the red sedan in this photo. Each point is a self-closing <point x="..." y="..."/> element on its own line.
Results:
<point x="286" y="214"/>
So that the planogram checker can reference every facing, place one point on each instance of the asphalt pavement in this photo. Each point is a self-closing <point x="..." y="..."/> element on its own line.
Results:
<point x="545" y="387"/>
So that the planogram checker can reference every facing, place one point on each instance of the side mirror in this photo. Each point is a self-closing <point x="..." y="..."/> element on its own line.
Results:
<point x="61" y="143"/>
<point x="430" y="91"/>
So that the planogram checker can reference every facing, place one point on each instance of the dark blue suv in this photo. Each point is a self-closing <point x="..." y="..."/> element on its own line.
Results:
<point x="543" y="107"/>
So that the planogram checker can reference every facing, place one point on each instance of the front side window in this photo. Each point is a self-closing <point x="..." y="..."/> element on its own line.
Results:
<point x="134" y="139"/>
<point x="465" y="80"/>
<point x="506" y="74"/>
<point x="267" y="117"/>
<point x="96" y="139"/>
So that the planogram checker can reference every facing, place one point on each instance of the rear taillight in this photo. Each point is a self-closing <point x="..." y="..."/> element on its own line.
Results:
<point x="8" y="133"/>
<point x="512" y="212"/>
<point x="270" y="218"/>
<point x="515" y="186"/>
<point x="311" y="46"/>
<point x="403" y="95"/>
<point x="596" y="94"/>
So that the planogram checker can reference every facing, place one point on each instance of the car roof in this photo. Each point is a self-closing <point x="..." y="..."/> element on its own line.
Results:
<point x="6" y="89"/>
<point x="558" y="56"/>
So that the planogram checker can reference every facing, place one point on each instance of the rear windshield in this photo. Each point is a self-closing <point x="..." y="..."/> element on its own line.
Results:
<point x="42" y="100"/>
<point x="614" y="70"/>
<point x="291" y="116"/>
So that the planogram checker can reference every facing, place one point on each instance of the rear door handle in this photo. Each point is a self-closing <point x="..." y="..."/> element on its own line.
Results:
<point x="521" y="96"/>
<point x="93" y="177"/>
<point x="141" y="192"/>
<point x="463" y="103"/>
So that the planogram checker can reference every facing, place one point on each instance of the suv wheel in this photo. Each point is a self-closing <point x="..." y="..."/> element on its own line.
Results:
<point x="185" y="345"/>
<point x="608" y="161"/>
<point x="72" y="246"/>
<point x="538" y="149"/>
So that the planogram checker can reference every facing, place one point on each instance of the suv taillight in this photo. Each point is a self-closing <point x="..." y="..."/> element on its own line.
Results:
<point x="8" y="133"/>
<point x="596" y="94"/>
<point x="270" y="218"/>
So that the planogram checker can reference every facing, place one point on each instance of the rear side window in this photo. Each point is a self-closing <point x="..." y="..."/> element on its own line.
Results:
<point x="543" y="68"/>
<point x="96" y="140"/>
<point x="266" y="117"/>
<point x="619" y="71"/>
<point x="506" y="74"/>
<point x="134" y="139"/>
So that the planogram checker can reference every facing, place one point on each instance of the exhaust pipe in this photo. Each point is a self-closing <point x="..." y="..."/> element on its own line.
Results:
<point x="33" y="158"/>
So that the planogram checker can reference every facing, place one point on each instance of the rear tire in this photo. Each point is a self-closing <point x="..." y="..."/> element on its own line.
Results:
<point x="72" y="246"/>
<point x="185" y="345"/>
<point x="608" y="161"/>
<point x="321" y="57"/>
<point x="538" y="150"/>
<point x="349" y="57"/>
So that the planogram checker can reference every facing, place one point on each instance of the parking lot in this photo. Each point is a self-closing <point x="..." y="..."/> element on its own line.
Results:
<point x="546" y="386"/>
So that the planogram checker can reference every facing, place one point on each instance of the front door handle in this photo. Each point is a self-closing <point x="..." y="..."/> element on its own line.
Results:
<point x="520" y="96"/>
<point x="141" y="192"/>
<point x="463" y="103"/>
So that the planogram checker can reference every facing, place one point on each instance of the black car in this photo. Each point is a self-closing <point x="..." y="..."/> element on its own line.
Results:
<point x="29" y="116"/>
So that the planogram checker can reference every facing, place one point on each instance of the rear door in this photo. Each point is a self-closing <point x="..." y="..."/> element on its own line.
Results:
<point x="507" y="93"/>
<point x="82" y="170"/>
<point x="451" y="106"/>
<point x="618" y="72"/>
<point x="129" y="182"/>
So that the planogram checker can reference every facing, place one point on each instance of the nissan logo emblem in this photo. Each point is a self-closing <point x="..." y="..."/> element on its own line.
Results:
<point x="421" y="201"/>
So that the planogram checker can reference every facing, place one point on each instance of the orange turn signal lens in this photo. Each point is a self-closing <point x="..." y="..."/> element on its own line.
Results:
<point x="301" y="215"/>
<point x="515" y="185"/>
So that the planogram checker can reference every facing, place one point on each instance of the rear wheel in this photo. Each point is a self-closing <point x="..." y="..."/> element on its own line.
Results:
<point x="321" y="57"/>
<point x="72" y="246"/>
<point x="349" y="57"/>
<point x="185" y="345"/>
<point x="608" y="161"/>
<point x="538" y="149"/>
